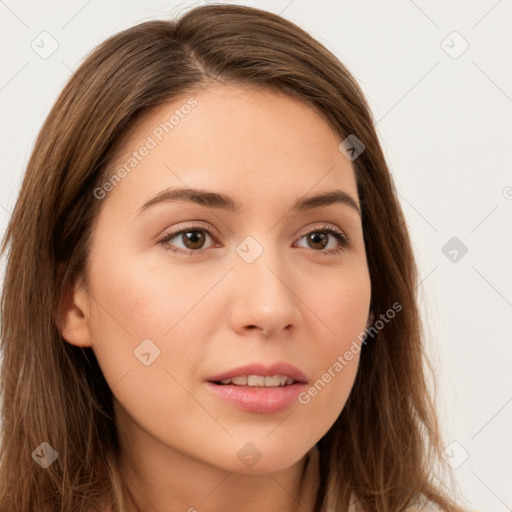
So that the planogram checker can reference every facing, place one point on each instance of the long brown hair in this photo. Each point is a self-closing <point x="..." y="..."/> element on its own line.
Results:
<point x="384" y="448"/>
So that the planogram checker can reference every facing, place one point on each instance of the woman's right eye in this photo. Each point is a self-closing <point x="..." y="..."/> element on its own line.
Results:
<point x="193" y="240"/>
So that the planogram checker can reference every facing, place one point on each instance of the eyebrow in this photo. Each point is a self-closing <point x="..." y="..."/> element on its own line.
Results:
<point x="225" y="202"/>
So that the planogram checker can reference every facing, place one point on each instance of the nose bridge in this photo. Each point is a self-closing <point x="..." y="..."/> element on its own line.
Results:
<point x="260" y="259"/>
<point x="264" y="295"/>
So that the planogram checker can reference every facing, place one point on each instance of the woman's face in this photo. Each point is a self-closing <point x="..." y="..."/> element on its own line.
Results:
<point x="188" y="290"/>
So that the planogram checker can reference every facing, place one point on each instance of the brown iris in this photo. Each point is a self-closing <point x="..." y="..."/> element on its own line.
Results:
<point x="319" y="237"/>
<point x="194" y="239"/>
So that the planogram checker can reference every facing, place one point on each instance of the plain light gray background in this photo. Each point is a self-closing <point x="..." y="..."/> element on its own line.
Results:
<point x="438" y="79"/>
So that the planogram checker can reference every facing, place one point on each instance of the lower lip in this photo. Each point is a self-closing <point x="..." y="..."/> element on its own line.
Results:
<point x="259" y="399"/>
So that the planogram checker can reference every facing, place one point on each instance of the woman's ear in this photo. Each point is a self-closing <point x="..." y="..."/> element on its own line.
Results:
<point x="74" y="315"/>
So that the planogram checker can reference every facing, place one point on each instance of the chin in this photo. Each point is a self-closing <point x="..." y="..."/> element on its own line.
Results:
<point x="265" y="455"/>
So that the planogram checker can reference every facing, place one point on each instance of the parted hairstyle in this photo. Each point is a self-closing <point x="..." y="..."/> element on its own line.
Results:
<point x="384" y="448"/>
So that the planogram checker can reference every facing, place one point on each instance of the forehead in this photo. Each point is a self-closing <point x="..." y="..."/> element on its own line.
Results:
<point x="259" y="142"/>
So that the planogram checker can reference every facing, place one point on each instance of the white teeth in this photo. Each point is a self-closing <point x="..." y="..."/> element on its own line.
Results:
<point x="259" y="381"/>
<point x="273" y="381"/>
<point x="255" y="380"/>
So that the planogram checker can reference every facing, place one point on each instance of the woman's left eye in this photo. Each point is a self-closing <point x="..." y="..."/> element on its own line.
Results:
<point x="193" y="240"/>
<point x="321" y="237"/>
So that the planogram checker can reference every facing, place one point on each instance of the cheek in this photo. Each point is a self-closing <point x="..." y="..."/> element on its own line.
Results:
<point x="140" y="301"/>
<point x="146" y="343"/>
<point x="343" y="311"/>
<point x="136" y="318"/>
<point x="342" y="305"/>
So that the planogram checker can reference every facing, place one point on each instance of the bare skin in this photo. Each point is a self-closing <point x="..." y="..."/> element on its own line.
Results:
<point x="212" y="310"/>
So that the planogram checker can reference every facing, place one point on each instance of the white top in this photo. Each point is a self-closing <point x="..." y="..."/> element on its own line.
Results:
<point x="312" y="479"/>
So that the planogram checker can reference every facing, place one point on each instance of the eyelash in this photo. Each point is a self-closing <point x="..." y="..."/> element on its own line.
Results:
<point x="329" y="228"/>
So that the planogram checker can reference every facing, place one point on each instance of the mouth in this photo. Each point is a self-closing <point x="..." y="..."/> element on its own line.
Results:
<point x="258" y="388"/>
<point x="258" y="381"/>
<point x="260" y="375"/>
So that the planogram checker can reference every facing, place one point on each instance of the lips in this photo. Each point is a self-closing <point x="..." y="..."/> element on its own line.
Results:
<point x="259" y="388"/>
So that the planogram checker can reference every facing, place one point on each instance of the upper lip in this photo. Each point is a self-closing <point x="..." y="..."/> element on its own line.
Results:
<point x="262" y="369"/>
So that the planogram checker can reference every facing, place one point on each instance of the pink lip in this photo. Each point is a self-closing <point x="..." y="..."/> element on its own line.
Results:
<point x="261" y="369"/>
<point x="258" y="399"/>
<point x="265" y="400"/>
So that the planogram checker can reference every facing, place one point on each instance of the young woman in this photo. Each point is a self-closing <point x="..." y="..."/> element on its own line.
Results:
<point x="209" y="301"/>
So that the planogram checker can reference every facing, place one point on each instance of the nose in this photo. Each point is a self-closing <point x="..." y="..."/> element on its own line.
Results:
<point x="264" y="296"/>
